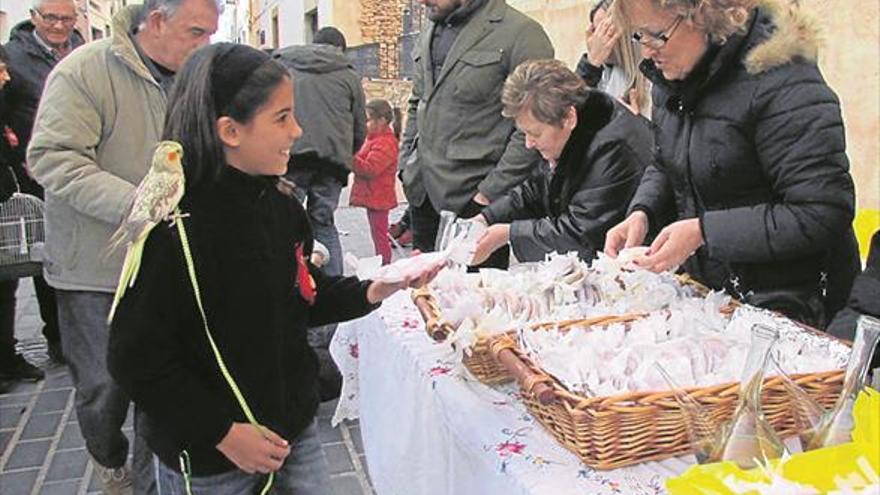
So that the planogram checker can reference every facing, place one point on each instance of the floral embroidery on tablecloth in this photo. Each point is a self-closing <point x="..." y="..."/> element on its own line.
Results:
<point x="512" y="398"/>
<point x="401" y="319"/>
<point x="442" y="369"/>
<point x="513" y="447"/>
<point x="654" y="486"/>
<point x="590" y="474"/>
<point x="439" y="370"/>
<point x="507" y="449"/>
<point x="526" y="418"/>
<point x="411" y="324"/>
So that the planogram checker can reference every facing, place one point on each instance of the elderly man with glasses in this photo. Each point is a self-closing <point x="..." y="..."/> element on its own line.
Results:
<point x="35" y="47"/>
<point x="100" y="118"/>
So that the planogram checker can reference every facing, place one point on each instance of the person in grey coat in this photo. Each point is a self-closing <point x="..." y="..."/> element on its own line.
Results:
<point x="595" y="150"/>
<point x="330" y="106"/>
<point x="458" y="152"/>
<point x="99" y="120"/>
<point x="750" y="162"/>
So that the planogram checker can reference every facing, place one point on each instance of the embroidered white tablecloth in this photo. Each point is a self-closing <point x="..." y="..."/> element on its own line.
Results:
<point x="429" y="428"/>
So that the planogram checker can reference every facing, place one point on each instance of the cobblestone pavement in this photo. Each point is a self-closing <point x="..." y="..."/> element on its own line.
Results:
<point x="42" y="451"/>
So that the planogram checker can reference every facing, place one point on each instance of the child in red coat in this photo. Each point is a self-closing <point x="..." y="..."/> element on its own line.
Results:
<point x="375" y="169"/>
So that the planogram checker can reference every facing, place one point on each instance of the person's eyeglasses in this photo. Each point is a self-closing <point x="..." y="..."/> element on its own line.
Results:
<point x="657" y="40"/>
<point x="53" y="19"/>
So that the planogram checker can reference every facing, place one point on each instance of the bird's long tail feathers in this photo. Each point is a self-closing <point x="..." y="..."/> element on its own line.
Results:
<point x="123" y="235"/>
<point x="117" y="240"/>
<point x="127" y="277"/>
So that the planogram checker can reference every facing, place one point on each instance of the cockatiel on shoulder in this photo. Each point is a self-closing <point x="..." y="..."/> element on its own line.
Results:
<point x="155" y="199"/>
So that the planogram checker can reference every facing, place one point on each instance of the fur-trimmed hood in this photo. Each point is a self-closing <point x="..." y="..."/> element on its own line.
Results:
<point x="785" y="32"/>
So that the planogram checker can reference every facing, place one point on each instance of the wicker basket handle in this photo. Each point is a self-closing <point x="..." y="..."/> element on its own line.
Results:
<point x="531" y="382"/>
<point x="437" y="329"/>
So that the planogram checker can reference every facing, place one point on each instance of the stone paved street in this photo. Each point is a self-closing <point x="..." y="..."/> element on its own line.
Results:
<point x="42" y="451"/>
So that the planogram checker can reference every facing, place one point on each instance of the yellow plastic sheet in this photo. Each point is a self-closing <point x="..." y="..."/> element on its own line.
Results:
<point x="867" y="222"/>
<point x="853" y="465"/>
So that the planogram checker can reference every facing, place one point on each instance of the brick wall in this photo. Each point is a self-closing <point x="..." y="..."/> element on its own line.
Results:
<point x="395" y="91"/>
<point x="382" y="23"/>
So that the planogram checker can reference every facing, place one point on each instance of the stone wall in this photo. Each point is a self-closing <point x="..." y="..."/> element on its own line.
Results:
<point x="850" y="62"/>
<point x="381" y="22"/>
<point x="395" y="91"/>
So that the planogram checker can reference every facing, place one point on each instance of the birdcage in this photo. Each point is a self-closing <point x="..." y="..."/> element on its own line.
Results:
<point x="21" y="236"/>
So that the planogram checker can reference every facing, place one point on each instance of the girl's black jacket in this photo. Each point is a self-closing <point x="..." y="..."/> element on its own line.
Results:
<point x="243" y="234"/>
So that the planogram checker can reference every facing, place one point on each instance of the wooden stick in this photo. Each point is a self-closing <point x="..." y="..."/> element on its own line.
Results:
<point x="436" y="329"/>
<point x="530" y="381"/>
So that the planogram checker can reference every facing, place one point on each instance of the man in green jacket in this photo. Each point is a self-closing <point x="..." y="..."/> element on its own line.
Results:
<point x="458" y="152"/>
<point x="101" y="115"/>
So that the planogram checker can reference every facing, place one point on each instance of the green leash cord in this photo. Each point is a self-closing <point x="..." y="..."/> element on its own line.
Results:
<point x="191" y="269"/>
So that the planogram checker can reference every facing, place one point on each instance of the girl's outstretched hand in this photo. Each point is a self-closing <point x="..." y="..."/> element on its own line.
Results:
<point x="379" y="290"/>
<point x="254" y="450"/>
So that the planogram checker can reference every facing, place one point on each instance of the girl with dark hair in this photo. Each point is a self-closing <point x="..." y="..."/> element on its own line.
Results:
<point x="375" y="168"/>
<point x="211" y="340"/>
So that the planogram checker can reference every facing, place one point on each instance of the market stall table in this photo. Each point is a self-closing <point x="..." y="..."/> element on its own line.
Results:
<point x="430" y="428"/>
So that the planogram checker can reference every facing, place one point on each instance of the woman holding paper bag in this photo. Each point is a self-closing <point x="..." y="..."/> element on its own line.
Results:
<point x="750" y="160"/>
<point x="595" y="151"/>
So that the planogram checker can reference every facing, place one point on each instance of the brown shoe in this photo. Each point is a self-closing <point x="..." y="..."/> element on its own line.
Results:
<point x="115" y="481"/>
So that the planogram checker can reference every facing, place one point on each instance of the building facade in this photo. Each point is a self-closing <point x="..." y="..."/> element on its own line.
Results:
<point x="278" y="23"/>
<point x="11" y="13"/>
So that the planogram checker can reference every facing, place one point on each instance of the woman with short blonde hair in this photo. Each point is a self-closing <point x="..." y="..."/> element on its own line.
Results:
<point x="547" y="88"/>
<point x="719" y="19"/>
<point x="750" y="184"/>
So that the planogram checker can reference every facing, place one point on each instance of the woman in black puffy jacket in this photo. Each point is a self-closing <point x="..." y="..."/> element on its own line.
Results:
<point x="750" y="183"/>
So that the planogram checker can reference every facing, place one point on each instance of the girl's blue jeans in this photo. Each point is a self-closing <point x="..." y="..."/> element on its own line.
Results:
<point x="305" y="472"/>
